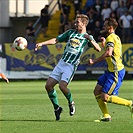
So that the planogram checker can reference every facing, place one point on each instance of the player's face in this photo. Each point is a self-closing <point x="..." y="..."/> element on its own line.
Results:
<point x="106" y="28"/>
<point x="78" y="24"/>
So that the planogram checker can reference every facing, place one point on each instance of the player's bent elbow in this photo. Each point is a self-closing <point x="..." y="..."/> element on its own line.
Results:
<point x="98" y="49"/>
<point x="109" y="54"/>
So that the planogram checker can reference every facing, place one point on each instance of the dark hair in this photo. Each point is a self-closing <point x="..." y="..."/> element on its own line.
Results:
<point x="112" y="22"/>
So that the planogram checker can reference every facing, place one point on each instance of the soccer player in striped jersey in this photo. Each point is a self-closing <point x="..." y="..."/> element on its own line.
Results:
<point x="77" y="40"/>
<point x="106" y="90"/>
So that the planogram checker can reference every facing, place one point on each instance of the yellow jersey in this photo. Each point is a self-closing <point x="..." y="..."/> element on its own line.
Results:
<point x="115" y="61"/>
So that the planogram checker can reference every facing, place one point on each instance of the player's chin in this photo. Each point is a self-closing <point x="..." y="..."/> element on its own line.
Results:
<point x="79" y="28"/>
<point x="103" y="31"/>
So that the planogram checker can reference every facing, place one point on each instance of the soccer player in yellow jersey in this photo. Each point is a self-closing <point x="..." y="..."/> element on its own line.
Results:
<point x="106" y="90"/>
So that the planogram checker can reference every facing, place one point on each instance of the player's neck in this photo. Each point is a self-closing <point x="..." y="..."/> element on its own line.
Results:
<point x="111" y="32"/>
<point x="83" y="31"/>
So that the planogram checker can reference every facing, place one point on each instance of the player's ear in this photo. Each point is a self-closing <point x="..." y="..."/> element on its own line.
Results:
<point x="111" y="27"/>
<point x="83" y="24"/>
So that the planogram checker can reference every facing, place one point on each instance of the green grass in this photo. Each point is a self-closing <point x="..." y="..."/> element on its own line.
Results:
<point x="25" y="108"/>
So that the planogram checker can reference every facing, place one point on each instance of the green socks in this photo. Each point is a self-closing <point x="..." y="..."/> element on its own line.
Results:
<point x="53" y="97"/>
<point x="69" y="97"/>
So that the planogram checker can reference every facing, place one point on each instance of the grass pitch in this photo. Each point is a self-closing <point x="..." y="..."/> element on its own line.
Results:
<point x="26" y="108"/>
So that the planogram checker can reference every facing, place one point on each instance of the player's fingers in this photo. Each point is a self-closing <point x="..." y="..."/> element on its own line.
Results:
<point x="36" y="48"/>
<point x="102" y="39"/>
<point x="90" y="62"/>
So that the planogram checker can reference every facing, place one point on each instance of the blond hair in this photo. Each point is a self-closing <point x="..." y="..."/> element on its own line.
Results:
<point x="84" y="18"/>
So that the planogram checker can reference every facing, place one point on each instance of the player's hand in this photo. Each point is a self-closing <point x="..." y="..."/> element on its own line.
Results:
<point x="103" y="40"/>
<point x="87" y="37"/>
<point x="90" y="62"/>
<point x="37" y="46"/>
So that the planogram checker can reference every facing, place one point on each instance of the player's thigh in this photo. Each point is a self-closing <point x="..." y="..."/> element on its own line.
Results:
<point x="102" y="79"/>
<point x="68" y="73"/>
<point x="108" y="81"/>
<point x="119" y="78"/>
<point x="112" y="83"/>
<point x="97" y="90"/>
<point x="57" y="72"/>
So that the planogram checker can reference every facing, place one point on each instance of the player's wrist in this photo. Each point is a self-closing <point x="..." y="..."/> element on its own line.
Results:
<point x="89" y="38"/>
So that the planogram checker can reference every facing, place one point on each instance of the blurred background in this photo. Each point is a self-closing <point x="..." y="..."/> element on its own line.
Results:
<point x="40" y="20"/>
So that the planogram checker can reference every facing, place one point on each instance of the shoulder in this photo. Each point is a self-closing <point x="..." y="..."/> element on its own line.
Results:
<point x="65" y="35"/>
<point x="111" y="35"/>
<point x="70" y="31"/>
<point x="112" y="38"/>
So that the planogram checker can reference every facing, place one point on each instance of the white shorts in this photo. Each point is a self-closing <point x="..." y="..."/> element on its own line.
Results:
<point x="63" y="71"/>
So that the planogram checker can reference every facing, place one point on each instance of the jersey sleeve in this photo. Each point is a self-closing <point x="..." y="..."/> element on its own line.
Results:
<point x="110" y="42"/>
<point x="65" y="36"/>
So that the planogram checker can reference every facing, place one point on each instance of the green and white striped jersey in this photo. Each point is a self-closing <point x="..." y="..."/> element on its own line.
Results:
<point x="76" y="45"/>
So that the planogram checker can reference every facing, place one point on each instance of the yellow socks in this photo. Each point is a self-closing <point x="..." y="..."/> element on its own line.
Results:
<point x="118" y="100"/>
<point x="102" y="106"/>
<point x="111" y="99"/>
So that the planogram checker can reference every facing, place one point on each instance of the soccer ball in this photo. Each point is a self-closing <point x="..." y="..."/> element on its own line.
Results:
<point x="20" y="43"/>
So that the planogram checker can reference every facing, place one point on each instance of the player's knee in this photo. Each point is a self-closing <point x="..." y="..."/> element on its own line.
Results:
<point x="62" y="86"/>
<point x="48" y="87"/>
<point x="104" y="97"/>
<point x="95" y="92"/>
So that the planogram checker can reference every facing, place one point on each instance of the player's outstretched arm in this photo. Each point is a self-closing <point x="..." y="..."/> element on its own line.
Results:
<point x="48" y="42"/>
<point x="107" y="53"/>
<point x="4" y="77"/>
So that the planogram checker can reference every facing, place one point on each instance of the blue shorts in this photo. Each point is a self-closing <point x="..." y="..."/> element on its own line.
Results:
<point x="111" y="81"/>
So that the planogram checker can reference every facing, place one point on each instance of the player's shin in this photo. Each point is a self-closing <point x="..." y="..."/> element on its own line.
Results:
<point x="68" y="97"/>
<point x="53" y="97"/>
<point x="71" y="103"/>
<point x="102" y="106"/>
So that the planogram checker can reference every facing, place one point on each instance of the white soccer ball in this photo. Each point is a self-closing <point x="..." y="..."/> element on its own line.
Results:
<point x="20" y="43"/>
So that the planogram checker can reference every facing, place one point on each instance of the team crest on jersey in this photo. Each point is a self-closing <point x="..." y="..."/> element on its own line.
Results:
<point x="74" y="42"/>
